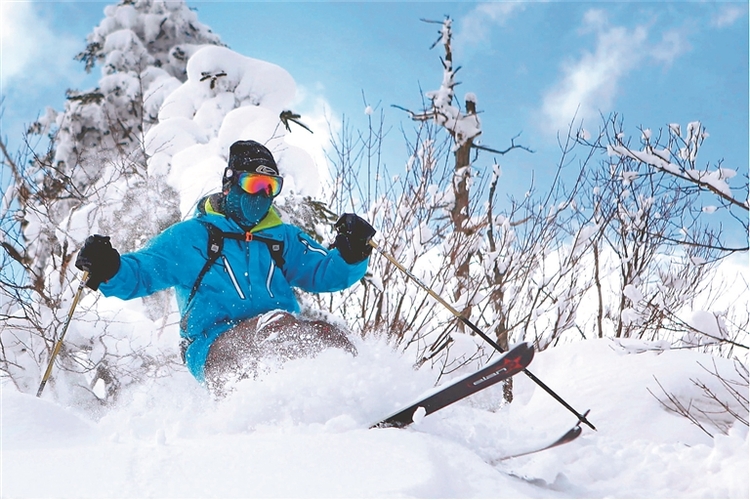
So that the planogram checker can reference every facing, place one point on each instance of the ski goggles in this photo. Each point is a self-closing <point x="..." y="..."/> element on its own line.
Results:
<point x="251" y="183"/>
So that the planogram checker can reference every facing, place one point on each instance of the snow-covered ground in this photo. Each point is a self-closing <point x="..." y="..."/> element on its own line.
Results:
<point x="302" y="431"/>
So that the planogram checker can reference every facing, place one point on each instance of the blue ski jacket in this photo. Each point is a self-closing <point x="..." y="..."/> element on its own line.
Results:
<point x="244" y="282"/>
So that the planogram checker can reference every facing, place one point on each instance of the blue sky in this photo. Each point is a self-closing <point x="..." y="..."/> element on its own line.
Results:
<point x="531" y="65"/>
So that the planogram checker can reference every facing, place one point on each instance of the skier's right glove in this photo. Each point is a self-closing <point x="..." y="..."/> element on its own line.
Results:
<point x="98" y="258"/>
<point x="354" y="234"/>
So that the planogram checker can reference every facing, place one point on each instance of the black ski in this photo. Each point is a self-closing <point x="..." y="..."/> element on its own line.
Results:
<point x="569" y="436"/>
<point x="510" y="363"/>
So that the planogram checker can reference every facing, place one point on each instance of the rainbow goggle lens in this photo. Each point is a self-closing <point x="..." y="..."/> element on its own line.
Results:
<point x="270" y="185"/>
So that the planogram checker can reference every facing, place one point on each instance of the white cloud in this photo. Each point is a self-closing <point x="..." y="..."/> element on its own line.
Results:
<point x="30" y="51"/>
<point x="474" y="27"/>
<point x="673" y="44"/>
<point x="594" y="20"/>
<point x="590" y="84"/>
<point x="17" y="46"/>
<point x="728" y="14"/>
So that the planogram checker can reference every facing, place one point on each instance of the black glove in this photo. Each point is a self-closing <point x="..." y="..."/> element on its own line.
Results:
<point x="98" y="258"/>
<point x="354" y="233"/>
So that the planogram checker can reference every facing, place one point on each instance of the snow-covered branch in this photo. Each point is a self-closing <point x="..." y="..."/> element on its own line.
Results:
<point x="679" y="158"/>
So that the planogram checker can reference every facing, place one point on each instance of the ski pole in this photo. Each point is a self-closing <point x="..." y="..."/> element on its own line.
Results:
<point x="475" y="329"/>
<point x="58" y="345"/>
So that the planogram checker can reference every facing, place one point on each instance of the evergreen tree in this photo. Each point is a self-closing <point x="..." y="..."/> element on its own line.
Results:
<point x="97" y="156"/>
<point x="127" y="159"/>
<point x="94" y="176"/>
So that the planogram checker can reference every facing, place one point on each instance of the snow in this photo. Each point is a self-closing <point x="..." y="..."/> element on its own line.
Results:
<point x="715" y="180"/>
<point x="227" y="97"/>
<point x="632" y="292"/>
<point x="463" y="127"/>
<point x="709" y="323"/>
<point x="302" y="431"/>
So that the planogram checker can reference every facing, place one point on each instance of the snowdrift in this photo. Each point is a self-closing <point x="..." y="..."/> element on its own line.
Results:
<point x="302" y="431"/>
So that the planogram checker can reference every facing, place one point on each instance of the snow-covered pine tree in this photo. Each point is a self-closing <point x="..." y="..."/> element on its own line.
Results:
<point x="127" y="159"/>
<point x="142" y="48"/>
<point x="94" y="177"/>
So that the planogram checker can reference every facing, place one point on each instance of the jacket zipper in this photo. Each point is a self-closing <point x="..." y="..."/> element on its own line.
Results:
<point x="233" y="278"/>
<point x="268" y="279"/>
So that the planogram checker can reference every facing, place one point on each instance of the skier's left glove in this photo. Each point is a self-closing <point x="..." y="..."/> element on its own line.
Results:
<point x="354" y="233"/>
<point x="98" y="258"/>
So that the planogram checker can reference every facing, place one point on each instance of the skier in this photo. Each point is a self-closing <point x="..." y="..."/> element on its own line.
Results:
<point x="233" y="267"/>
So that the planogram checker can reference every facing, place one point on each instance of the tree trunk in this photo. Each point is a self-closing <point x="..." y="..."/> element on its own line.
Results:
<point x="460" y="219"/>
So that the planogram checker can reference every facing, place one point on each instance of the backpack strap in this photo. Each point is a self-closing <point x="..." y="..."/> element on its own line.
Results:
<point x="216" y="244"/>
<point x="275" y="247"/>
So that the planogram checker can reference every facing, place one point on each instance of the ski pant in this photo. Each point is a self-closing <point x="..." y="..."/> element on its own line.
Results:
<point x="276" y="336"/>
